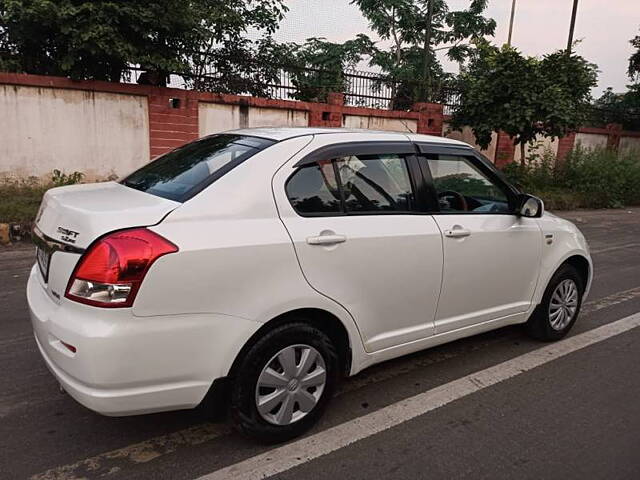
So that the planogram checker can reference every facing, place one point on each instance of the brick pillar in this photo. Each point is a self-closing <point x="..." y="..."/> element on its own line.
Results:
<point x="430" y="118"/>
<point x="173" y="119"/>
<point x="613" y="138"/>
<point x="505" y="150"/>
<point x="565" y="145"/>
<point x="327" y="114"/>
<point x="334" y="98"/>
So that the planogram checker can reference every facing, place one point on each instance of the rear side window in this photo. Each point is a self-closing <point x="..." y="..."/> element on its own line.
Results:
<point x="314" y="189"/>
<point x="185" y="171"/>
<point x="354" y="184"/>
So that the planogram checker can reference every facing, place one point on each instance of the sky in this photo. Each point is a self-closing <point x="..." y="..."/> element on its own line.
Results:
<point x="540" y="26"/>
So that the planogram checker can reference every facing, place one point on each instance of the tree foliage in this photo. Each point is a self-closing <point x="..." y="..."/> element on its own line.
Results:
<point x="315" y="67"/>
<point x="622" y="108"/>
<point x="634" y="60"/>
<point x="526" y="97"/>
<point x="318" y="67"/>
<point x="245" y="67"/>
<point x="97" y="39"/>
<point x="414" y="39"/>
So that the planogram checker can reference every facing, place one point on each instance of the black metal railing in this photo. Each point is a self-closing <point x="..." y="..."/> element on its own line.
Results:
<point x="288" y="82"/>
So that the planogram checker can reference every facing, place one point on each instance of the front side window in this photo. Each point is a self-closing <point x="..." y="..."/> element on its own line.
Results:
<point x="462" y="188"/>
<point x="352" y="184"/>
<point x="183" y="172"/>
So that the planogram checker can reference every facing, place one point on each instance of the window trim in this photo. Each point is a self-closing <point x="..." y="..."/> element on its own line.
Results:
<point x="357" y="148"/>
<point x="485" y="164"/>
<point x="476" y="161"/>
<point x="415" y="156"/>
<point x="404" y="150"/>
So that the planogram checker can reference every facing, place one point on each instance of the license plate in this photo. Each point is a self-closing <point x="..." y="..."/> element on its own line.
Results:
<point x="43" y="257"/>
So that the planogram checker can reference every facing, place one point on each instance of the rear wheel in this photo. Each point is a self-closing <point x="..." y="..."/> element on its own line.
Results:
<point x="560" y="306"/>
<point x="283" y="383"/>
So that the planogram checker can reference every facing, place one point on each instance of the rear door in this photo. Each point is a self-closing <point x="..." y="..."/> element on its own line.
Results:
<point x="352" y="211"/>
<point x="491" y="255"/>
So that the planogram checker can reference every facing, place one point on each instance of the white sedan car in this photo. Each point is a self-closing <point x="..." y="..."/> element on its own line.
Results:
<point x="268" y="263"/>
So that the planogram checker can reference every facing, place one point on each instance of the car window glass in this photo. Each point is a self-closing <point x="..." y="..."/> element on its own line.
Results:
<point x="178" y="174"/>
<point x="461" y="187"/>
<point x="375" y="183"/>
<point x="314" y="189"/>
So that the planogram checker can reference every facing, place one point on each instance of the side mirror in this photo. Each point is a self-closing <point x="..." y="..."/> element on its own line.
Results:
<point x="530" y="206"/>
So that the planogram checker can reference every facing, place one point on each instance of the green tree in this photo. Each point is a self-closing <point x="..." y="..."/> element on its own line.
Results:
<point x="243" y="67"/>
<point x="416" y="29"/>
<point x="525" y="97"/>
<point x="98" y="39"/>
<point x="240" y="65"/>
<point x="634" y="60"/>
<point x="622" y="108"/>
<point x="318" y="67"/>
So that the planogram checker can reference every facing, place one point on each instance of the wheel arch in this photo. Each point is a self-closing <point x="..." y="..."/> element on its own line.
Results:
<point x="322" y="319"/>
<point x="582" y="266"/>
<point x="579" y="260"/>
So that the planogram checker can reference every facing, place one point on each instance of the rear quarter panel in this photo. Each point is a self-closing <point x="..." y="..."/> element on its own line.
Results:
<point x="235" y="256"/>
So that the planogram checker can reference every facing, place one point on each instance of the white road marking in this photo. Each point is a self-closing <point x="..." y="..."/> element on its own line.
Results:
<point x="612" y="248"/>
<point x="391" y="371"/>
<point x="610" y="300"/>
<point x="301" y="451"/>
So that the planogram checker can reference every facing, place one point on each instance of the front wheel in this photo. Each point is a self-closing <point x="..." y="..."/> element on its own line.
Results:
<point x="560" y="306"/>
<point x="284" y="383"/>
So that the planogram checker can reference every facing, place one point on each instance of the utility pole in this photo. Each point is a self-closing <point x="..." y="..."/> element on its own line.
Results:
<point x="573" y="24"/>
<point x="513" y="12"/>
<point x="427" y="50"/>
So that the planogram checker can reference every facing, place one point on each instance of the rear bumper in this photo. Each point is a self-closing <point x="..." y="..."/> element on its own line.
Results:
<point x="126" y="365"/>
<point x="131" y="401"/>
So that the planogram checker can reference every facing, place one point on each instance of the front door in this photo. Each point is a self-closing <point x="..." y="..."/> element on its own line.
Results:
<point x="491" y="255"/>
<point x="360" y="241"/>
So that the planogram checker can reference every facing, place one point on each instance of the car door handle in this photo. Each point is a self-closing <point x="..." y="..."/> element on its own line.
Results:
<point x="457" y="233"/>
<point x="326" y="239"/>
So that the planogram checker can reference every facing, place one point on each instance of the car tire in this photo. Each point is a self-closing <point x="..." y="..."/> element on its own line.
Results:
<point x="263" y="363"/>
<point x="560" y="306"/>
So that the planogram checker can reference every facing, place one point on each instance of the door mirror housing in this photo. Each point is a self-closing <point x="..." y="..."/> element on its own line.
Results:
<point x="530" y="206"/>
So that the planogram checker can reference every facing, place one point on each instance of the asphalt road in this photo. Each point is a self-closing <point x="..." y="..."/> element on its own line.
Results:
<point x="577" y="416"/>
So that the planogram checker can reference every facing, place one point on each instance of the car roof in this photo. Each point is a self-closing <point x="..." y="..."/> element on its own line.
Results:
<point x="284" y="133"/>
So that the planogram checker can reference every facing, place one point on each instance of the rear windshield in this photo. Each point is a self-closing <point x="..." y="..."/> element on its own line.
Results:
<point x="185" y="171"/>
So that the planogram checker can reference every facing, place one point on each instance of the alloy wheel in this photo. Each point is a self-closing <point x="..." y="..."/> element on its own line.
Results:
<point x="563" y="304"/>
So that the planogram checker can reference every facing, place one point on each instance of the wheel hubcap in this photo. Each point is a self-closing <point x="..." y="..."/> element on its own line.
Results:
<point x="291" y="384"/>
<point x="563" y="305"/>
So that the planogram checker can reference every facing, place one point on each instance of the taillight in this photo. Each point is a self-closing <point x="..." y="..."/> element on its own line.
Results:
<point x="110" y="273"/>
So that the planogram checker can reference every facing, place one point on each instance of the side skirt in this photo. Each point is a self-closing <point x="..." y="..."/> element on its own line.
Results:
<point x="435" y="340"/>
